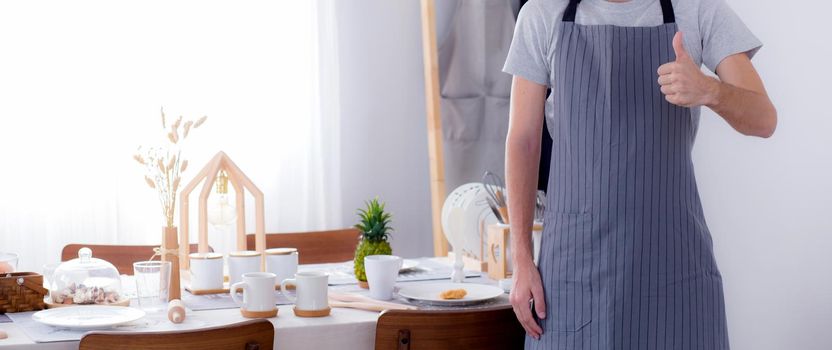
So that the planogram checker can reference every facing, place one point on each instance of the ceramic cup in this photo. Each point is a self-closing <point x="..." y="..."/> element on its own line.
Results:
<point x="382" y="271"/>
<point x="206" y="271"/>
<point x="258" y="291"/>
<point x="537" y="235"/>
<point x="311" y="288"/>
<point x="242" y="262"/>
<point x="283" y="262"/>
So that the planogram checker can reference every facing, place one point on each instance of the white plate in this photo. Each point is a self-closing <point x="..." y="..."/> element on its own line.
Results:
<point x="408" y="264"/>
<point x="477" y="216"/>
<point x="429" y="293"/>
<point x="88" y="316"/>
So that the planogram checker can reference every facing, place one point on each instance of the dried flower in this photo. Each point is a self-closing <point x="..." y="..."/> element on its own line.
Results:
<point x="176" y="123"/>
<point x="188" y="125"/>
<point x="175" y="135"/>
<point x="200" y="121"/>
<point x="164" y="125"/>
<point x="164" y="164"/>
<point x="150" y="182"/>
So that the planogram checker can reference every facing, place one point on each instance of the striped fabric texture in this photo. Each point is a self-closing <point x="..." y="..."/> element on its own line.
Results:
<point x="627" y="260"/>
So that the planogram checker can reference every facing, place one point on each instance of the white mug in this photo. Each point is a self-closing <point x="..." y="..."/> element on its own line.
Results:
<point x="282" y="262"/>
<point x="206" y="271"/>
<point x="382" y="271"/>
<point x="311" y="288"/>
<point x="258" y="291"/>
<point x="537" y="235"/>
<point x="242" y="262"/>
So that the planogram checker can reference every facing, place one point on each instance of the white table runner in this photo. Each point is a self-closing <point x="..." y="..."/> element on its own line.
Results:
<point x="427" y="270"/>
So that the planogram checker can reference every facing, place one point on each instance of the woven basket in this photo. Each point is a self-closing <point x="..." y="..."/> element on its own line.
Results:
<point x="21" y="291"/>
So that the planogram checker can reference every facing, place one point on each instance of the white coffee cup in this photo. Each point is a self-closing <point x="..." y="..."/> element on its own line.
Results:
<point x="537" y="236"/>
<point x="311" y="288"/>
<point x="206" y="271"/>
<point x="258" y="291"/>
<point x="242" y="262"/>
<point x="382" y="271"/>
<point x="282" y="262"/>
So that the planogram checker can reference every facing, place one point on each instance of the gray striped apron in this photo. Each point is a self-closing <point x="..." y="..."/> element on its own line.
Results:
<point x="627" y="260"/>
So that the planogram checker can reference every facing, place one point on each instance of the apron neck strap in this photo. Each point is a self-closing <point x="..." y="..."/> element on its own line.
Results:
<point x="667" y="11"/>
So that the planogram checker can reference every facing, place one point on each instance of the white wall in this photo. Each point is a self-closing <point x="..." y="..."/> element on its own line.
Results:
<point x="384" y="132"/>
<point x="768" y="202"/>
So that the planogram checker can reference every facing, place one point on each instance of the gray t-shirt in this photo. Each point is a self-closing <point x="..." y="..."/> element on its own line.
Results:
<point x="711" y="29"/>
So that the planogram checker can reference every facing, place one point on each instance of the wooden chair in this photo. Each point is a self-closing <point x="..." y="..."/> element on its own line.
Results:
<point x="315" y="247"/>
<point x="121" y="256"/>
<point x="249" y="335"/>
<point x="495" y="328"/>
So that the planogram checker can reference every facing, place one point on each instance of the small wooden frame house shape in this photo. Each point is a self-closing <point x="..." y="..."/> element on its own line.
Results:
<point x="241" y="182"/>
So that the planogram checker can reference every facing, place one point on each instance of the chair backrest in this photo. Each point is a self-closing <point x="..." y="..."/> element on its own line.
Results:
<point x="493" y="328"/>
<point x="249" y="335"/>
<point x="121" y="256"/>
<point x="315" y="247"/>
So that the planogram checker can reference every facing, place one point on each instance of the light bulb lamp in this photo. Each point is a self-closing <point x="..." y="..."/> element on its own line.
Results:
<point x="220" y="213"/>
<point x="221" y="163"/>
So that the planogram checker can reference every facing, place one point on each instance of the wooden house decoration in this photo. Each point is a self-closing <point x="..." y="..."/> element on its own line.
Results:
<point x="241" y="182"/>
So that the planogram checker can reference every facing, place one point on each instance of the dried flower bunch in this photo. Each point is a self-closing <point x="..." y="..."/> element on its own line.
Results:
<point x="165" y="164"/>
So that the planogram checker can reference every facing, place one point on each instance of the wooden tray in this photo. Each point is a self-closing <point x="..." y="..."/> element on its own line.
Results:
<point x="225" y="289"/>
<point x="311" y="313"/>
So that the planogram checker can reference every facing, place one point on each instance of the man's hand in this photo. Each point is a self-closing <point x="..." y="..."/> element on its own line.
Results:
<point x="682" y="82"/>
<point x="527" y="287"/>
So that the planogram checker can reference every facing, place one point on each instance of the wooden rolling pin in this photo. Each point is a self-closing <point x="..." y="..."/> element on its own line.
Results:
<point x="369" y="306"/>
<point x="176" y="311"/>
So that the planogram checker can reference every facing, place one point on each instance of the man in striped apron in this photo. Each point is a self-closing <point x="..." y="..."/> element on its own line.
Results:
<point x="626" y="259"/>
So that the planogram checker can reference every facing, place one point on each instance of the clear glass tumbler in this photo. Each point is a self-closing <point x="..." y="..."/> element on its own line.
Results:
<point x="152" y="284"/>
<point x="48" y="272"/>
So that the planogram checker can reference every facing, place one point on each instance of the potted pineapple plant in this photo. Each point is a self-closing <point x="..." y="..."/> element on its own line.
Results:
<point x="375" y="230"/>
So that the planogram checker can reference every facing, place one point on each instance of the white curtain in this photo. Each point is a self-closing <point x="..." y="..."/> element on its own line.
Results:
<point x="81" y="86"/>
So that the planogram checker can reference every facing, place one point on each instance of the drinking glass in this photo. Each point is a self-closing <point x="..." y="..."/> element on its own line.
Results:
<point x="48" y="271"/>
<point x="152" y="284"/>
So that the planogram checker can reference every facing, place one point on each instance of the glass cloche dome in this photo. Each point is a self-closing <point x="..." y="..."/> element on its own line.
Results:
<point x="85" y="280"/>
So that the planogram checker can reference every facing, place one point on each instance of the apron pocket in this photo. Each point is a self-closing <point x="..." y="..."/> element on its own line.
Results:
<point x="495" y="120"/>
<point x="462" y="118"/>
<point x="571" y="307"/>
<point x="569" y="289"/>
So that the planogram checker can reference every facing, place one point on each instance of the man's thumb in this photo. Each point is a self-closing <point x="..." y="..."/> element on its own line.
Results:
<point x="679" y="47"/>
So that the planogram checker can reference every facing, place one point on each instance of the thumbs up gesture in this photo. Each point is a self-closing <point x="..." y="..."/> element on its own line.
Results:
<point x="682" y="82"/>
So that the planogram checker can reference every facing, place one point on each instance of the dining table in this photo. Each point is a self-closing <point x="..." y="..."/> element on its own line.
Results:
<point x="344" y="328"/>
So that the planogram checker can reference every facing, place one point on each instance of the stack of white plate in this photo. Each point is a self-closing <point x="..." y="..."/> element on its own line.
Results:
<point x="476" y="216"/>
